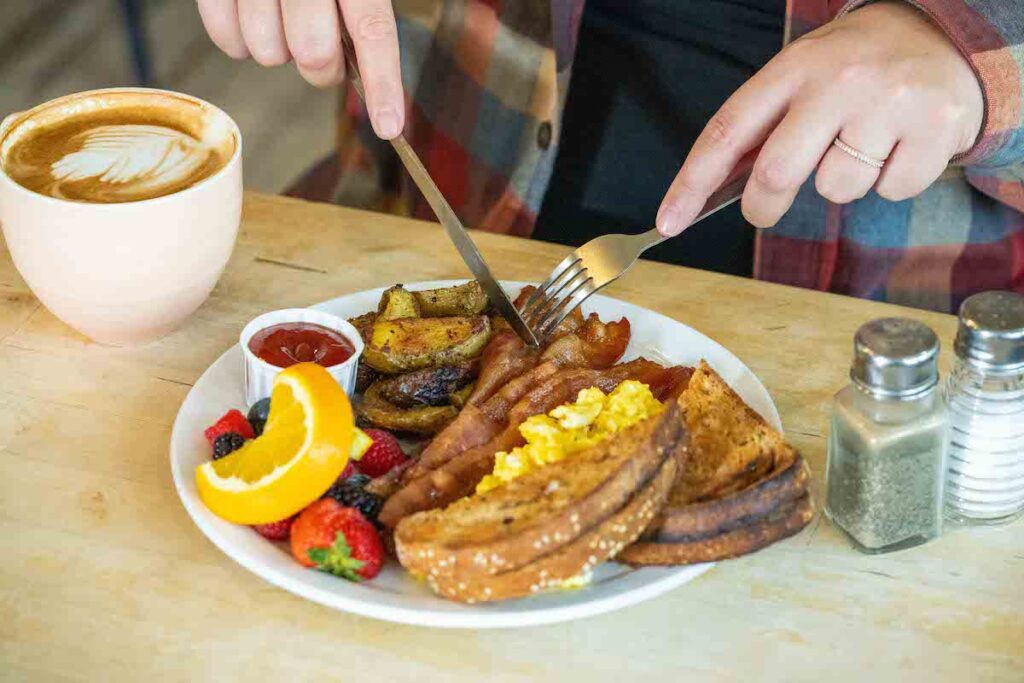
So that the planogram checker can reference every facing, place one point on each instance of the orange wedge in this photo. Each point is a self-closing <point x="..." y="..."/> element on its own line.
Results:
<point x="304" y="447"/>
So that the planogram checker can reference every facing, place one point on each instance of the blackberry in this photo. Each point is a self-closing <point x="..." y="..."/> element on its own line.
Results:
<point x="226" y="443"/>
<point x="350" y="493"/>
<point x="359" y="480"/>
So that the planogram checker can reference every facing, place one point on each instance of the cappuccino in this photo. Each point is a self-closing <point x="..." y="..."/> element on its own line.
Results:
<point x="113" y="147"/>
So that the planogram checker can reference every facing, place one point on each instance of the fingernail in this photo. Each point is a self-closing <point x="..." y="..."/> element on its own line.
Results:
<point x="670" y="220"/>
<point x="387" y="124"/>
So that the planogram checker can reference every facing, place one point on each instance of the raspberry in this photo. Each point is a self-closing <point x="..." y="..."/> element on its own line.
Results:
<point x="382" y="456"/>
<point x="231" y="421"/>
<point x="276" y="531"/>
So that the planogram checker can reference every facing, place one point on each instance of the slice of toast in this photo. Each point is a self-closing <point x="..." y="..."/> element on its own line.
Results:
<point x="784" y="484"/>
<point x="731" y="446"/>
<point x="602" y="542"/>
<point x="533" y="515"/>
<point x="784" y="521"/>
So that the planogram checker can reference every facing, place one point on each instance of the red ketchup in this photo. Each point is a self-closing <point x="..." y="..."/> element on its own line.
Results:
<point x="286" y="344"/>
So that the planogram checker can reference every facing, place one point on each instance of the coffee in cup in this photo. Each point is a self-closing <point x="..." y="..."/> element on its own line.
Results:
<point x="120" y="207"/>
<point x="118" y="147"/>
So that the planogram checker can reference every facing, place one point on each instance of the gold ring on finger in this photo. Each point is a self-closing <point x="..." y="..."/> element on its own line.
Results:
<point x="858" y="155"/>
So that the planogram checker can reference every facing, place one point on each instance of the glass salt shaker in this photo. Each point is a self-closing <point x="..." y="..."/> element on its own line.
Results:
<point x="985" y="395"/>
<point x="888" y="440"/>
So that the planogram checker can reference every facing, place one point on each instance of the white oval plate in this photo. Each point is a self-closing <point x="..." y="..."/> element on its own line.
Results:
<point x="394" y="595"/>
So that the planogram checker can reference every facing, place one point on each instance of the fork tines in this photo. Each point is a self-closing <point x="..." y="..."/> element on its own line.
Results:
<point x="547" y="307"/>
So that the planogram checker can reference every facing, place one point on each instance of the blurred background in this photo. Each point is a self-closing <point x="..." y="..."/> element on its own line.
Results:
<point x="50" y="48"/>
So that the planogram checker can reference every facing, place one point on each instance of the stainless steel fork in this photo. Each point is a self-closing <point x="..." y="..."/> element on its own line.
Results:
<point x="604" y="259"/>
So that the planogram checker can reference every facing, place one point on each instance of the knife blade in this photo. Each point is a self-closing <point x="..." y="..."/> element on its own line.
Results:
<point x="457" y="233"/>
<point x="463" y="242"/>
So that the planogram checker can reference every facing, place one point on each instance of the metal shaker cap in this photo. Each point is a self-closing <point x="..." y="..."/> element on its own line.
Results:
<point x="895" y="357"/>
<point x="991" y="332"/>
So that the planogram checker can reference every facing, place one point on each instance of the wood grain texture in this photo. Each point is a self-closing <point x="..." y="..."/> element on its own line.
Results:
<point x="105" y="577"/>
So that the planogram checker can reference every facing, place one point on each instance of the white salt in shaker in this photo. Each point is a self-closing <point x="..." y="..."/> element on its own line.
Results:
<point x="985" y="395"/>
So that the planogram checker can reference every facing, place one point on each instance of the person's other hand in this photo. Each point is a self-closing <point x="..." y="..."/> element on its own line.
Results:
<point x="273" y="32"/>
<point x="884" y="79"/>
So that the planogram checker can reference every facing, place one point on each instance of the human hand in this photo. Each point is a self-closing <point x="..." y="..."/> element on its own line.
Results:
<point x="883" y="78"/>
<point x="309" y="31"/>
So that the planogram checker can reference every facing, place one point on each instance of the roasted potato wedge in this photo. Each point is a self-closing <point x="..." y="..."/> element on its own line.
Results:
<point x="365" y="376"/>
<point x="376" y="411"/>
<point x="461" y="300"/>
<point x="364" y="325"/>
<point x="415" y="343"/>
<point x="498" y="323"/>
<point x="426" y="387"/>
<point x="397" y="303"/>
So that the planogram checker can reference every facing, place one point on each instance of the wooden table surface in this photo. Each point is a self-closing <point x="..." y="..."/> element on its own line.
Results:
<point x="104" y="576"/>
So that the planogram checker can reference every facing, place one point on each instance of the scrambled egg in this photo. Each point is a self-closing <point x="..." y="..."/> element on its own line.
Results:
<point x="573" y="427"/>
<point x="576" y="582"/>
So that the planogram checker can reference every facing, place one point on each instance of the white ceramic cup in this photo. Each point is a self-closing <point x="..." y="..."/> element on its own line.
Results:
<point x="124" y="273"/>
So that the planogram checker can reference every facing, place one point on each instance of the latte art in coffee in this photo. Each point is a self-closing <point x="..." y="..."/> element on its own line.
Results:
<point x="139" y="159"/>
<point x="129" y="149"/>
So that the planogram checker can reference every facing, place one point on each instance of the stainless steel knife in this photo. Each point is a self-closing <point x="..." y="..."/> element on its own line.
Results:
<point x="457" y="233"/>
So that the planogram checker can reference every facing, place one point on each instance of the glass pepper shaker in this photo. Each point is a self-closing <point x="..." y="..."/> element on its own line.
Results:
<point x="888" y="440"/>
<point x="985" y="394"/>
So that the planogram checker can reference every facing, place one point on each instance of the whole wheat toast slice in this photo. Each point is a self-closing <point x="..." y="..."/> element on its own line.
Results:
<point x="731" y="446"/>
<point x="784" y="484"/>
<point x="784" y="521"/>
<point x="535" y="514"/>
<point x="602" y="542"/>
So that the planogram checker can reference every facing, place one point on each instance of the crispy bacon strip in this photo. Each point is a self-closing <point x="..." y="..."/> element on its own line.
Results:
<point x="595" y="345"/>
<point x="572" y="322"/>
<point x="458" y="476"/>
<point x="386" y="485"/>
<point x="672" y="383"/>
<point x="505" y="356"/>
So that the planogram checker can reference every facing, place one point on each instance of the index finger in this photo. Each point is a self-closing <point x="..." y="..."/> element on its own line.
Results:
<point x="220" y="19"/>
<point x="371" y="24"/>
<point x="740" y="125"/>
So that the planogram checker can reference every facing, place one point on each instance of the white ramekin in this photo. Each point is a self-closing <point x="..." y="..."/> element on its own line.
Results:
<point x="259" y="374"/>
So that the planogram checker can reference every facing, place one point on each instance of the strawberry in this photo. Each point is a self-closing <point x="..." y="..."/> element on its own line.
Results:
<point x="383" y="455"/>
<point x="231" y="421"/>
<point x="337" y="540"/>
<point x="276" y="531"/>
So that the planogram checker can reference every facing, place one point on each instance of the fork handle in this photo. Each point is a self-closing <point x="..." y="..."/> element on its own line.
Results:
<point x="727" y="193"/>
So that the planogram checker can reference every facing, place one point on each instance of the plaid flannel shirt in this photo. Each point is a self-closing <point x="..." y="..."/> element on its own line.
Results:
<point x="486" y="82"/>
